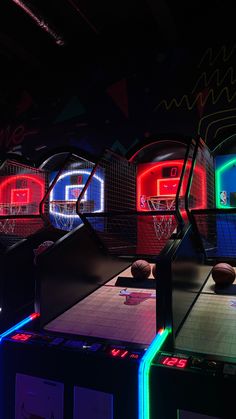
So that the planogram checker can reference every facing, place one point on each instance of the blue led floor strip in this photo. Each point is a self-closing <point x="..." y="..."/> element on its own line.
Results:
<point x="19" y="325"/>
<point x="143" y="374"/>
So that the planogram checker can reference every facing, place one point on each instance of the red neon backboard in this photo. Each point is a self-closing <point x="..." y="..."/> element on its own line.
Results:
<point x="167" y="187"/>
<point x="20" y="196"/>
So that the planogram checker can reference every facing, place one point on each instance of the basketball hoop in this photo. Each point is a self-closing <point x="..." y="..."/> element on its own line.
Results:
<point x="164" y="225"/>
<point x="63" y="214"/>
<point x="7" y="225"/>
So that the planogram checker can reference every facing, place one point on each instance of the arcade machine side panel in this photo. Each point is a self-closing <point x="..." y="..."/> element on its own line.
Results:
<point x="78" y="369"/>
<point x="204" y="165"/>
<point x="197" y="373"/>
<point x="188" y="270"/>
<point x="177" y="295"/>
<point x="191" y="387"/>
<point x="216" y="302"/>
<point x="71" y="270"/>
<point x="189" y="273"/>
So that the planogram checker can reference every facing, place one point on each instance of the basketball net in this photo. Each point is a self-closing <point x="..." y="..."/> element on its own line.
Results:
<point x="63" y="214"/>
<point x="7" y="225"/>
<point x="163" y="224"/>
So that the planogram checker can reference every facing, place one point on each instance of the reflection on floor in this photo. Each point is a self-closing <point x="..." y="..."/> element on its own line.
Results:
<point x="112" y="312"/>
<point x="211" y="325"/>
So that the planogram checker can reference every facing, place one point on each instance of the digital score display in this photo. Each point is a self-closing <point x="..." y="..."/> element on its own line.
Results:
<point x="76" y="179"/>
<point x="119" y="353"/>
<point x="122" y="353"/>
<point x="171" y="171"/>
<point x="21" y="337"/>
<point x="173" y="361"/>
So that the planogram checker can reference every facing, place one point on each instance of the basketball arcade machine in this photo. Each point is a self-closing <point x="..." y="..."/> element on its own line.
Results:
<point x="194" y="374"/>
<point x="27" y="220"/>
<point x="22" y="188"/>
<point x="66" y="190"/>
<point x="96" y="322"/>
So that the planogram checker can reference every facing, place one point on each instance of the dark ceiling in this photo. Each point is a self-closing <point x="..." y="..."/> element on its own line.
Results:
<point x="88" y="28"/>
<point x="86" y="31"/>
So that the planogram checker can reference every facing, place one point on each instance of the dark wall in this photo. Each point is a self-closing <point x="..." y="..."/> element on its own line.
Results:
<point x="117" y="102"/>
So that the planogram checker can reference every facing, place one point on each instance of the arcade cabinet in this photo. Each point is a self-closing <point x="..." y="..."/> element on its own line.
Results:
<point x="80" y="358"/>
<point x="194" y="374"/>
<point x="30" y="215"/>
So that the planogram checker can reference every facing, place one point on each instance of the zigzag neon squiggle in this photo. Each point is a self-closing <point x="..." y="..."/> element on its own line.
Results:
<point x="216" y="74"/>
<point x="202" y="98"/>
<point x="209" y="53"/>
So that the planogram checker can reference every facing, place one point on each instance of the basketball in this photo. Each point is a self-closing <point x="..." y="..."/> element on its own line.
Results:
<point x="223" y="274"/>
<point x="41" y="248"/>
<point x="154" y="270"/>
<point x="140" y="269"/>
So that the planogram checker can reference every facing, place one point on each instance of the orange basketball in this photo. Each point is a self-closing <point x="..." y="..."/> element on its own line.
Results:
<point x="140" y="269"/>
<point x="223" y="274"/>
<point x="154" y="270"/>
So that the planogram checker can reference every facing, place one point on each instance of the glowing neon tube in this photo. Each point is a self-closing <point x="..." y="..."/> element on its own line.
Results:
<point x="19" y="325"/>
<point x="144" y="372"/>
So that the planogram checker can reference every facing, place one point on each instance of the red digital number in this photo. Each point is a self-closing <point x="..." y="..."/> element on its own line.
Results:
<point x="115" y="352"/>
<point x="170" y="361"/>
<point x="173" y="172"/>
<point x="182" y="363"/>
<point x="119" y="353"/>
<point x="80" y="179"/>
<point x="165" y="360"/>
<point x="174" y="362"/>
<point x="21" y="336"/>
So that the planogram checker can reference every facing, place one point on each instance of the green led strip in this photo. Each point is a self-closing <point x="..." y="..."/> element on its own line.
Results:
<point x="218" y="182"/>
<point x="144" y="373"/>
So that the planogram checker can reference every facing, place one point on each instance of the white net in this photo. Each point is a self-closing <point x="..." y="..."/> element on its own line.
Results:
<point x="7" y="225"/>
<point x="164" y="225"/>
<point x="63" y="214"/>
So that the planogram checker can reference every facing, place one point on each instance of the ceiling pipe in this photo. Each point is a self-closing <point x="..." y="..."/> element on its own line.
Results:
<point x="40" y="21"/>
<point x="75" y="6"/>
